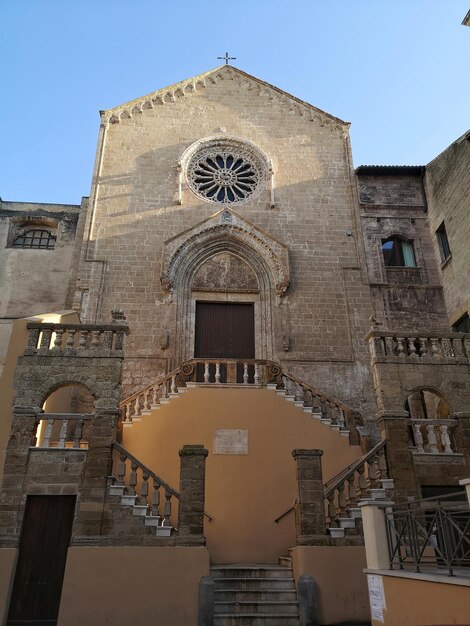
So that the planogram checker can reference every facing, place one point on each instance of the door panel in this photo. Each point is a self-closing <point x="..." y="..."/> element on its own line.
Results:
<point x="45" y="537"/>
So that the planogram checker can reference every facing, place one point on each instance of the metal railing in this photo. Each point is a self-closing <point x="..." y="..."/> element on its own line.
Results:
<point x="429" y="535"/>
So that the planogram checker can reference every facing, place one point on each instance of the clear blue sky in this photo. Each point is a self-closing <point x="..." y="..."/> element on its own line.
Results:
<point x="397" y="69"/>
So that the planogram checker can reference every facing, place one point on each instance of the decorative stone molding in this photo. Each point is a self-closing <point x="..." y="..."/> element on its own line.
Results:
<point x="226" y="72"/>
<point x="216" y="234"/>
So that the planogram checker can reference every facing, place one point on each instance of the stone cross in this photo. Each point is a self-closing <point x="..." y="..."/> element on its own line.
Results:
<point x="227" y="58"/>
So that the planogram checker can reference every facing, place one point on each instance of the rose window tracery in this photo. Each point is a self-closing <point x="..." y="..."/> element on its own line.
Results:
<point x="224" y="174"/>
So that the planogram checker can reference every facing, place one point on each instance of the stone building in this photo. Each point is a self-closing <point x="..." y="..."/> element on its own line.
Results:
<point x="288" y="337"/>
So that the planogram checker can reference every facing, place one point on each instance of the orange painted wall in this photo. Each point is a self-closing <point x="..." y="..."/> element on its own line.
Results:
<point x="244" y="493"/>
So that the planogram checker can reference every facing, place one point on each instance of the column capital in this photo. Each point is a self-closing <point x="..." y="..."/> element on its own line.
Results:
<point x="193" y="450"/>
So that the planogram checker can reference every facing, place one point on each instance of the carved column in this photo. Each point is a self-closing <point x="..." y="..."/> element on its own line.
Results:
<point x="192" y="495"/>
<point x="309" y="511"/>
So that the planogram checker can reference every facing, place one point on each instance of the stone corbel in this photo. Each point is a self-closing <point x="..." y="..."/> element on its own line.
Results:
<point x="281" y="291"/>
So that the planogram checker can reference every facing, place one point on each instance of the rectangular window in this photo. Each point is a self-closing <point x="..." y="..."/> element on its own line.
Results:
<point x="443" y="242"/>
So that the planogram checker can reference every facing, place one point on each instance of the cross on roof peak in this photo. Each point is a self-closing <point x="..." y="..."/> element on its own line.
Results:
<point x="226" y="58"/>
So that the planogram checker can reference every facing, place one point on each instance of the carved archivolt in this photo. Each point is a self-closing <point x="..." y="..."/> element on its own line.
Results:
<point x="224" y="231"/>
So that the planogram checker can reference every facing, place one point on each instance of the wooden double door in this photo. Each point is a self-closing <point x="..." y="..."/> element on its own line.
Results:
<point x="224" y="330"/>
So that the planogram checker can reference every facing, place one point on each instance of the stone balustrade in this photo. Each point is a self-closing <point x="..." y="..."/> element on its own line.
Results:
<point x="63" y="430"/>
<point x="420" y="345"/>
<point x="343" y="492"/>
<point x="140" y="487"/>
<point x="433" y="436"/>
<point x="74" y="339"/>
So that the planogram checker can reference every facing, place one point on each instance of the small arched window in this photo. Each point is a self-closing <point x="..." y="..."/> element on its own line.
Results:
<point x="41" y="238"/>
<point x="398" y="252"/>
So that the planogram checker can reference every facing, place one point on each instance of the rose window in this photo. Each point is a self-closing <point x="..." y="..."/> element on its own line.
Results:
<point x="224" y="176"/>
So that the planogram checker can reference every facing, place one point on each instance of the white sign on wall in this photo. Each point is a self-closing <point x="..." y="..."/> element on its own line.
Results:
<point x="230" y="442"/>
<point x="376" y="597"/>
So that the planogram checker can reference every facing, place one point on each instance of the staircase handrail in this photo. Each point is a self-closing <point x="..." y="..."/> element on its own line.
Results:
<point x="151" y="474"/>
<point x="146" y="470"/>
<point x="341" y="476"/>
<point x="159" y="381"/>
<point x="344" y="474"/>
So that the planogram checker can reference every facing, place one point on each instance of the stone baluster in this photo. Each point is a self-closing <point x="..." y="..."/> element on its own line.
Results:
<point x="331" y="507"/>
<point x="217" y="372"/>
<point x="95" y="339"/>
<point x="412" y="346"/>
<point x="58" y="336"/>
<point x="432" y="440"/>
<point x="70" y="343"/>
<point x="316" y="404"/>
<point x="63" y="433"/>
<point x="362" y="481"/>
<point x="155" y="503"/>
<point x="167" y="509"/>
<point x="83" y="334"/>
<point x="341" y="418"/>
<point x="48" y="433"/>
<point x="445" y="439"/>
<point x="333" y="412"/>
<point x="133" y="479"/>
<point x="352" y="498"/>
<point x="400" y="346"/>
<point x="434" y="346"/>
<point x="77" y="437"/>
<point x="206" y="371"/>
<point x="372" y="467"/>
<point x="289" y="387"/>
<point x="418" y="438"/>
<point x="144" y="488"/>
<point x="121" y="469"/>
<point x="257" y="376"/>
<point x="173" y="384"/>
<point x="446" y="346"/>
<point x="146" y="404"/>
<point x="153" y="395"/>
<point x="45" y="341"/>
<point x="245" y="373"/>
<point x="341" y="500"/>
<point x="33" y="339"/>
<point x="389" y="346"/>
<point x="137" y="411"/>
<point x="299" y="393"/>
<point x="108" y="339"/>
<point x="423" y="346"/>
<point x="127" y="413"/>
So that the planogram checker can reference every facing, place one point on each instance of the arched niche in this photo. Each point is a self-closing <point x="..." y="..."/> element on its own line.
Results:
<point x="225" y="237"/>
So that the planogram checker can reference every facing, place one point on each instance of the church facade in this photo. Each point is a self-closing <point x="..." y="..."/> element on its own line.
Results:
<point x="232" y="342"/>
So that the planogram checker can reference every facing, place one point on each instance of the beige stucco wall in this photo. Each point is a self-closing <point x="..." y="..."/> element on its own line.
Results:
<point x="17" y="338"/>
<point x="244" y="493"/>
<point x="132" y="586"/>
<point x="411" y="602"/>
<point x="8" y="558"/>
<point x="341" y="586"/>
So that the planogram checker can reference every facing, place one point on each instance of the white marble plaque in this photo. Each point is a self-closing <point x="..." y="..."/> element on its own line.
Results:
<point x="376" y="597"/>
<point x="230" y="442"/>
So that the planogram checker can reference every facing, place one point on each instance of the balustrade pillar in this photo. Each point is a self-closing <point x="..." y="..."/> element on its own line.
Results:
<point x="192" y="495"/>
<point x="309" y="510"/>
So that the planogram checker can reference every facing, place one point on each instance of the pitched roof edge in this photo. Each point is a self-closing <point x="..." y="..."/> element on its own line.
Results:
<point x="204" y="75"/>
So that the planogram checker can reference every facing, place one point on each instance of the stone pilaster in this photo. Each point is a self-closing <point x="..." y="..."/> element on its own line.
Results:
<point x="12" y="498"/>
<point x="92" y="493"/>
<point x="192" y="495"/>
<point x="309" y="511"/>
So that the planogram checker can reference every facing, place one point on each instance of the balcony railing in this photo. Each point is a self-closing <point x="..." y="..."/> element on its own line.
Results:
<point x="63" y="430"/>
<point x="74" y="339"/>
<point x="431" y="535"/>
<point x="420" y="345"/>
<point x="433" y="436"/>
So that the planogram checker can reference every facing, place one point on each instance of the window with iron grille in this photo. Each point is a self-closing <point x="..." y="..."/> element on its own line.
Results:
<point x="35" y="238"/>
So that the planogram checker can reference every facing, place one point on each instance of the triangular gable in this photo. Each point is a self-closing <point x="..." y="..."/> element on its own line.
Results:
<point x="190" y="85"/>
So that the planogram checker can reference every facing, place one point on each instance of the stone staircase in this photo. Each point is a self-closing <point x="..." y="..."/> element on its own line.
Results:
<point x="254" y="595"/>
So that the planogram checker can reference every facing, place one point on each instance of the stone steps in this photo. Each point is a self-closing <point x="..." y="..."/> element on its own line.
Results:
<point x="254" y="595"/>
<point x="152" y="521"/>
